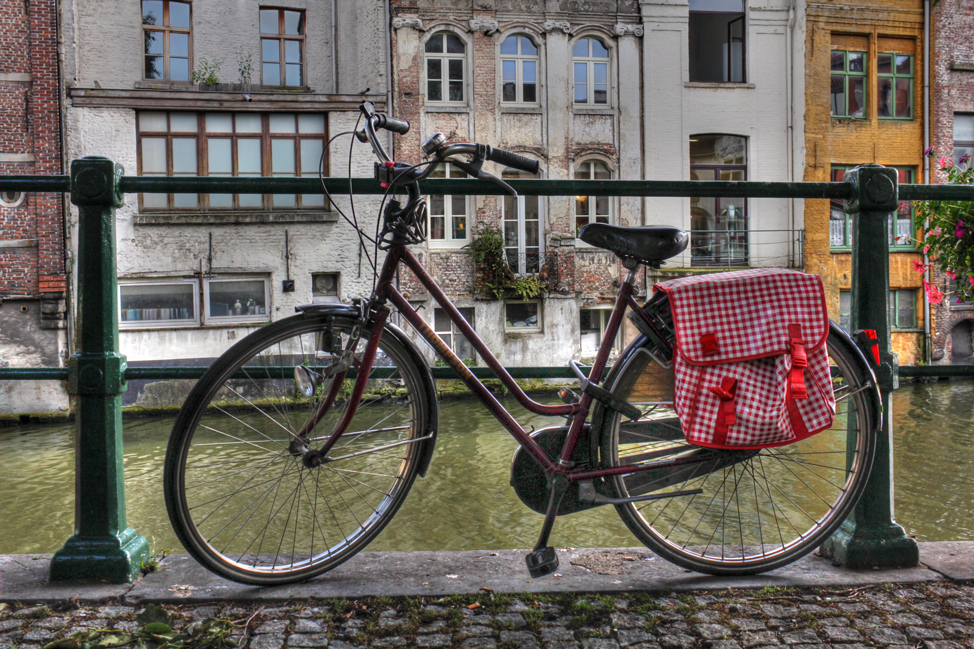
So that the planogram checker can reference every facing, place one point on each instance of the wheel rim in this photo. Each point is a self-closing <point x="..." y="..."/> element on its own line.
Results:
<point x="754" y="514"/>
<point x="248" y="505"/>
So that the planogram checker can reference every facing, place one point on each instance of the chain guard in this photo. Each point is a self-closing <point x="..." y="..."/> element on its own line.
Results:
<point x="528" y="477"/>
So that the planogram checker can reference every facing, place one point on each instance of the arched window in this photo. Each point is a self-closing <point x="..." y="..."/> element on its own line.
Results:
<point x="590" y="58"/>
<point x="719" y="228"/>
<point x="519" y="70"/>
<point x="523" y="228"/>
<point x="446" y="62"/>
<point x="592" y="209"/>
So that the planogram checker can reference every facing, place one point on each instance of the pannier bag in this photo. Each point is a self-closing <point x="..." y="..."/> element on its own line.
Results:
<point x="750" y="365"/>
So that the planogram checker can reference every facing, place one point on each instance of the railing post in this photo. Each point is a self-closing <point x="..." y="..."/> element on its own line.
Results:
<point x="103" y="547"/>
<point x="870" y="537"/>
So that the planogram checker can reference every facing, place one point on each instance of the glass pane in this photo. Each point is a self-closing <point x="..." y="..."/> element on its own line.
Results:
<point x="530" y="93"/>
<point x="601" y="172"/>
<point x="434" y="68"/>
<point x="885" y="98"/>
<point x="190" y="201"/>
<point x="152" y="121"/>
<point x="179" y="45"/>
<point x="454" y="45"/>
<point x="311" y="123"/>
<point x="531" y="233"/>
<point x="434" y="91"/>
<point x="153" y="67"/>
<point x="600" y="73"/>
<point x="155" y="201"/>
<point x="838" y="95"/>
<point x="509" y="71"/>
<point x="142" y="302"/>
<point x="293" y="74"/>
<point x="521" y="314"/>
<point x="183" y="122"/>
<point x="532" y="207"/>
<point x="282" y="157"/>
<point x="154" y="43"/>
<point x="441" y="321"/>
<point x="602" y="205"/>
<point x="857" y="62"/>
<point x="857" y="97"/>
<point x="437" y="205"/>
<point x="292" y="51"/>
<point x="184" y="155"/>
<point x="219" y="123"/>
<point x="270" y="50"/>
<point x="294" y="23"/>
<point x="529" y="71"/>
<point x="282" y="123"/>
<point x="599" y="50"/>
<point x="459" y="227"/>
<point x="904" y="96"/>
<point x="509" y="91"/>
<point x="509" y="46"/>
<point x="179" y="14"/>
<point x="838" y="60"/>
<point x="884" y="63"/>
<point x="220" y="158"/>
<point x="963" y="127"/>
<point x="437" y="226"/>
<point x="251" y="200"/>
<point x="455" y="69"/>
<point x="458" y="205"/>
<point x="580" y="48"/>
<point x="285" y="200"/>
<point x="311" y="156"/>
<point x="152" y="12"/>
<point x="600" y="95"/>
<point x="435" y="45"/>
<point x="904" y="64"/>
<point x="269" y="21"/>
<point x="527" y="47"/>
<point x="237" y="298"/>
<point x="179" y="69"/>
<point x="154" y="155"/>
<point x="456" y="91"/>
<point x="247" y="123"/>
<point x="221" y="201"/>
<point x="581" y="88"/>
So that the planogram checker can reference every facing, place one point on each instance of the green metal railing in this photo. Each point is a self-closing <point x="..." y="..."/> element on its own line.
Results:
<point x="104" y="546"/>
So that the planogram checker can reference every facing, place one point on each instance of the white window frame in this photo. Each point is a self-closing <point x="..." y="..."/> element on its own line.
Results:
<point x="525" y="330"/>
<point x="590" y="62"/>
<point x="593" y="200"/>
<point x="445" y="58"/>
<point x="519" y="60"/>
<point x="159" y="323"/>
<point x="11" y="198"/>
<point x="521" y="202"/>
<point x="449" y="171"/>
<point x="604" y="313"/>
<point x="244" y="318"/>
<point x="455" y="331"/>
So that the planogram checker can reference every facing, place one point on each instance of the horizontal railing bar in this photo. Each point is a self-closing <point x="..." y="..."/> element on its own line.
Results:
<point x="52" y="184"/>
<point x="921" y="371"/>
<point x="34" y="374"/>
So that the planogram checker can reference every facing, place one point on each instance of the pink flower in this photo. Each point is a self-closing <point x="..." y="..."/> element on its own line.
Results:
<point x="936" y="231"/>
<point x="959" y="229"/>
<point x="934" y="294"/>
<point x="949" y="273"/>
<point x="970" y="278"/>
<point x="919" y="266"/>
<point x="944" y="163"/>
<point x="926" y="249"/>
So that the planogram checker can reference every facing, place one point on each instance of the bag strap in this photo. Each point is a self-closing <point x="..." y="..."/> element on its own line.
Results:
<point x="796" y="379"/>
<point x="726" y="417"/>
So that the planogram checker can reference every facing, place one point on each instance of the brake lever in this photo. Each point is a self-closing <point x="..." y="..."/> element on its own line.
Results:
<point x="483" y="175"/>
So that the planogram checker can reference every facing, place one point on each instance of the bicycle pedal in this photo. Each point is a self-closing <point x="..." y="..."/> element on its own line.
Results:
<point x="567" y="395"/>
<point x="542" y="562"/>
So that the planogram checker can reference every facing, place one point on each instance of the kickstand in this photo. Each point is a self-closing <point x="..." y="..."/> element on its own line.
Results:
<point x="543" y="560"/>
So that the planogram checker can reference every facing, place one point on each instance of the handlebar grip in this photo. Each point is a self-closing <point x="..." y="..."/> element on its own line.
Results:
<point x="513" y="160"/>
<point x="399" y="126"/>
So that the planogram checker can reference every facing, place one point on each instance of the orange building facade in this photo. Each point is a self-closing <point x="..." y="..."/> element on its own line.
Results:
<point x="864" y="104"/>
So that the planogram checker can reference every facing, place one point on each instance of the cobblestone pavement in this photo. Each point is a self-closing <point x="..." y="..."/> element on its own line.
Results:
<point x="938" y="615"/>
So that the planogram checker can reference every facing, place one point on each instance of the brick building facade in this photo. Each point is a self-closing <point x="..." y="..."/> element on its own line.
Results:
<point x="32" y="260"/>
<point x="953" y="131"/>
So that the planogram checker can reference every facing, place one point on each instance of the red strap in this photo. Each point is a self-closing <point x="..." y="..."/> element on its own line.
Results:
<point x="799" y="361"/>
<point x="725" y="414"/>
<point x="708" y="344"/>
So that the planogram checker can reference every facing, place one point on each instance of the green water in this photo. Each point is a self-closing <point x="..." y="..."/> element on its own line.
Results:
<point x="465" y="501"/>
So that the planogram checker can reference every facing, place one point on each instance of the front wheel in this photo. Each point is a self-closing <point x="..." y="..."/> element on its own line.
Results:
<point x="240" y="498"/>
<point x="757" y="510"/>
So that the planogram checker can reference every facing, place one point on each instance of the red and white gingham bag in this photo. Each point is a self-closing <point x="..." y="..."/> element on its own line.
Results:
<point x="751" y="365"/>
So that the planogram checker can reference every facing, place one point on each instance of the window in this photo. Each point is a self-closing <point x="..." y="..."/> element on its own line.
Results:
<point x="236" y="300"/>
<point x="11" y="198"/>
<point x="895" y="96"/>
<point x="158" y="304"/>
<point x="592" y="324"/>
<point x="848" y="84"/>
<point x="519" y="71"/>
<point x="523" y="228"/>
<point x="592" y="209"/>
<point x="445" y="69"/>
<point x="845" y="310"/>
<point x="325" y="287"/>
<point x="282" y="145"/>
<point x="716" y="41"/>
<point x="956" y="302"/>
<point x="451" y="335"/>
<point x="448" y="214"/>
<point x="963" y="136"/>
<point x="522" y="317"/>
<point x="165" y="35"/>
<point x="901" y="228"/>
<point x="282" y="47"/>
<point x="902" y="308"/>
<point x="590" y="59"/>
<point x="718" y="226"/>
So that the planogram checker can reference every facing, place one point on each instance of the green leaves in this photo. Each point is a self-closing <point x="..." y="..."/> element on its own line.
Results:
<point x="949" y="231"/>
<point x="156" y="632"/>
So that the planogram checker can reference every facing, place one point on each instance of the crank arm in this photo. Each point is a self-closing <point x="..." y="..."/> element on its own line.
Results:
<point x="587" y="493"/>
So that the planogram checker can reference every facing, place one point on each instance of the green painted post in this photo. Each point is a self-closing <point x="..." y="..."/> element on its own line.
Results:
<point x="103" y="546"/>
<point x="870" y="537"/>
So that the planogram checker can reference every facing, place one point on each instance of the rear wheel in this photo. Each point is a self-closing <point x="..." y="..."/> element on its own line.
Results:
<point x="238" y="494"/>
<point x="757" y="510"/>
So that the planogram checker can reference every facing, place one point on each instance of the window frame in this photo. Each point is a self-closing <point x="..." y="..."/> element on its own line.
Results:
<point x="604" y="313"/>
<point x="967" y="146"/>
<point x="894" y="77"/>
<point x="445" y="57"/>
<point x="210" y="320"/>
<point x="194" y="321"/>
<point x="522" y="267"/>
<point x="846" y="75"/>
<point x="590" y="61"/>
<point x="167" y="30"/>
<point x="448" y="242"/>
<point x="11" y="199"/>
<point x="519" y="61"/>
<point x="727" y="66"/>
<point x="716" y="169"/>
<point x="895" y="297"/>
<point x="450" y="337"/>
<point x="593" y="204"/>
<point x="203" y="137"/>
<point x="909" y="246"/>
<point x="538" y="328"/>
<point x="283" y="38"/>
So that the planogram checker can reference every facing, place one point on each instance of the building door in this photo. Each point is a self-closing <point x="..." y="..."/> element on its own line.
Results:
<point x="960" y="339"/>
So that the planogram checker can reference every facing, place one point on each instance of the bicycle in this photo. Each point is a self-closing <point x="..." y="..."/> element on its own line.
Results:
<point x="300" y="443"/>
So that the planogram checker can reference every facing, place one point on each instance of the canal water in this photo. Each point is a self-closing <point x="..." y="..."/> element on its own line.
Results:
<point x="465" y="502"/>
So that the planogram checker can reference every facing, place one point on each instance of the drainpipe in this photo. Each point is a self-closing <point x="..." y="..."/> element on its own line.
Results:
<point x="927" y="337"/>
<point x="391" y="143"/>
<point x="334" y="44"/>
<point x="789" y="99"/>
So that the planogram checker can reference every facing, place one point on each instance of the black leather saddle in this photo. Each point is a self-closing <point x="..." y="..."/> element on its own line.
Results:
<point x="648" y="245"/>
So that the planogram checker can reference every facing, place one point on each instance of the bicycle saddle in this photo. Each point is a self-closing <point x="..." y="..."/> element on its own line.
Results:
<point x="648" y="245"/>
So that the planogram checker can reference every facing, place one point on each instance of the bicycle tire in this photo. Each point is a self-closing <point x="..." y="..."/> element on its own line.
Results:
<point x="243" y="504"/>
<point x="759" y="511"/>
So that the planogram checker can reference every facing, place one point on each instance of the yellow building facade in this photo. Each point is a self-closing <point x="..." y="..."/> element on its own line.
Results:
<point x="864" y="104"/>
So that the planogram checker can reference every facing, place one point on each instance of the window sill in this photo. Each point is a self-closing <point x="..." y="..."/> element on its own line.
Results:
<point x="523" y="110"/>
<point x="911" y="330"/>
<point x="588" y="110"/>
<point x="232" y="218"/>
<point x="892" y="250"/>
<point x="434" y="246"/>
<point x="896" y="119"/>
<point x="844" y="118"/>
<point x="719" y="84"/>
<point x="166" y="85"/>
<point x="437" y="108"/>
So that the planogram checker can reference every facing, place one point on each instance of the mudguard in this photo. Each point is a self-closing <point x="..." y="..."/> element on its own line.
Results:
<point x="353" y="312"/>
